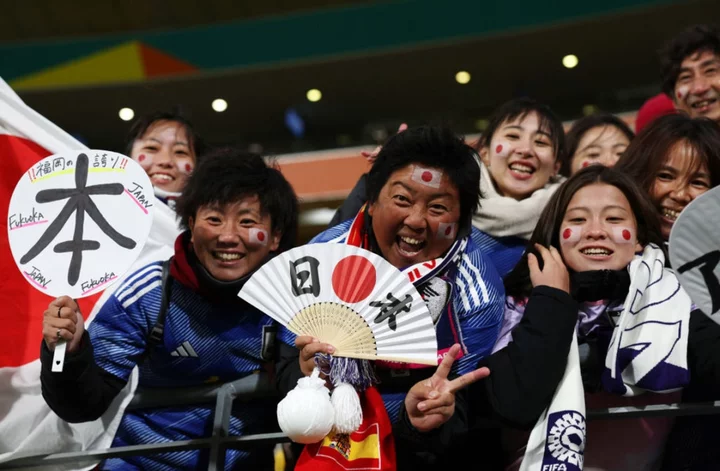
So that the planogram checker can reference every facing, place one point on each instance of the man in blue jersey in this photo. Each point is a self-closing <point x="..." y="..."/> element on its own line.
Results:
<point x="421" y="191"/>
<point x="238" y="212"/>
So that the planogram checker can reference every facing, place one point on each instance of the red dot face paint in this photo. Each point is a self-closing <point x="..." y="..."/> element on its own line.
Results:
<point x="426" y="176"/>
<point x="498" y="149"/>
<point x="622" y="235"/>
<point x="570" y="235"/>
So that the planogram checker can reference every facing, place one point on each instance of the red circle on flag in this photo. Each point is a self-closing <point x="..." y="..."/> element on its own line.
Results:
<point x="188" y="168"/>
<point x="448" y="230"/>
<point x="353" y="278"/>
<point x="567" y="233"/>
<point x="141" y="157"/>
<point x="585" y="164"/>
<point x="261" y="236"/>
<point x="679" y="95"/>
<point x="426" y="176"/>
<point x="498" y="149"/>
<point x="626" y="234"/>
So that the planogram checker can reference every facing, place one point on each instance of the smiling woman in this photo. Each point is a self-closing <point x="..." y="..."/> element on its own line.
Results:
<point x="591" y="252"/>
<point x="675" y="160"/>
<point x="167" y="147"/>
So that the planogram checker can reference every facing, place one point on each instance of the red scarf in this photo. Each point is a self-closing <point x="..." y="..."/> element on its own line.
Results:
<point x="370" y="448"/>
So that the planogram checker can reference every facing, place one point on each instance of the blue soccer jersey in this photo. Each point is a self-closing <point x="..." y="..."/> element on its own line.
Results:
<point x="203" y="342"/>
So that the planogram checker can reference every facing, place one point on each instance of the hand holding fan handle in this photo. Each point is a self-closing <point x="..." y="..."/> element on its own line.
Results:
<point x="309" y="348"/>
<point x="431" y="402"/>
<point x="63" y="328"/>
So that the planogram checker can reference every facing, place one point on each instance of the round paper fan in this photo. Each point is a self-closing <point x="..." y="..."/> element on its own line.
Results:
<point x="348" y="297"/>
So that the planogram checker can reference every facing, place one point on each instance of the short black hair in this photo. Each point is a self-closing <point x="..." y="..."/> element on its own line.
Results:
<point x="144" y="122"/>
<point x="581" y="126"/>
<point x="520" y="108"/>
<point x="696" y="38"/>
<point x="430" y="146"/>
<point x="227" y="175"/>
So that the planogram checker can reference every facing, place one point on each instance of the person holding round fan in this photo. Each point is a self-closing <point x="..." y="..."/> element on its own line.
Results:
<point x="422" y="191"/>
<point x="637" y="338"/>
<point x="180" y="321"/>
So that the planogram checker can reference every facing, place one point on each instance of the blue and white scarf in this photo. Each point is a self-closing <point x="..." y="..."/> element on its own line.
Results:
<point x="647" y="352"/>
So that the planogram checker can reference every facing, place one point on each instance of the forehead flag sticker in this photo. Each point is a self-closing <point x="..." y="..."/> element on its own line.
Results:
<point x="695" y="252"/>
<point x="258" y="236"/>
<point x="426" y="176"/>
<point x="77" y="221"/>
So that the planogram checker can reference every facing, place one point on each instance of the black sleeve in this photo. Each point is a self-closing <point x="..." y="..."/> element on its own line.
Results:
<point x="287" y="368"/>
<point x="525" y="374"/>
<point x="82" y="392"/>
<point x="704" y="354"/>
<point x="434" y="442"/>
<point x="352" y="204"/>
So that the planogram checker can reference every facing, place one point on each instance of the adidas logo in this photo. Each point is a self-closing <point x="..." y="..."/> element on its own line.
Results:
<point x="184" y="350"/>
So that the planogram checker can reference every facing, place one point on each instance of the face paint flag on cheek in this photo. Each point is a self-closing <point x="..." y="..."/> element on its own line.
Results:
<point x="502" y="149"/>
<point x="185" y="167"/>
<point x="258" y="236"/>
<point x="446" y="230"/>
<point x="145" y="160"/>
<point x="682" y="92"/>
<point x="427" y="176"/>
<point x="623" y="235"/>
<point x="570" y="235"/>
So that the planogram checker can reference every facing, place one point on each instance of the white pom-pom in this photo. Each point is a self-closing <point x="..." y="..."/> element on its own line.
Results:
<point x="348" y="411"/>
<point x="306" y="414"/>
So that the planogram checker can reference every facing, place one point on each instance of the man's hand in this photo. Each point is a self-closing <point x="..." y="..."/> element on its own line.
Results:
<point x="308" y="348"/>
<point x="62" y="319"/>
<point x="431" y="402"/>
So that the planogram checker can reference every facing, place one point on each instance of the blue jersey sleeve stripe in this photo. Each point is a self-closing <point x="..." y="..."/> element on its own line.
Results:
<point x="137" y="279"/>
<point x="151" y="286"/>
<point x="479" y="279"/>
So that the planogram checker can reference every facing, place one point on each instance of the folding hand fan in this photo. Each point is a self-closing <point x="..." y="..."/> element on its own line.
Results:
<point x="695" y="252"/>
<point x="348" y="297"/>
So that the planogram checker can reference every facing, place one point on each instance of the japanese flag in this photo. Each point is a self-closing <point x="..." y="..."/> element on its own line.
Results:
<point x="427" y="176"/>
<point x="28" y="426"/>
<point x="258" y="236"/>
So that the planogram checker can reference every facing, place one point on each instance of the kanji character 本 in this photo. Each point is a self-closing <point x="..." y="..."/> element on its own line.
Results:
<point x="305" y="280"/>
<point x="390" y="309"/>
<point x="79" y="202"/>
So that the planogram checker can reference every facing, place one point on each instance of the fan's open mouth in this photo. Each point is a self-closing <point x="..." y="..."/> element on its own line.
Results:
<point x="409" y="246"/>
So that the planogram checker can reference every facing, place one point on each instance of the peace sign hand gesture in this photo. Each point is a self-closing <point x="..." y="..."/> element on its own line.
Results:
<point x="431" y="402"/>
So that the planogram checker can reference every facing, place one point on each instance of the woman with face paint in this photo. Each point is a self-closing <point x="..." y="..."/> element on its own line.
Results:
<point x="421" y="193"/>
<point x="595" y="264"/>
<point x="598" y="139"/>
<point x="675" y="159"/>
<point x="167" y="147"/>
<point x="521" y="152"/>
